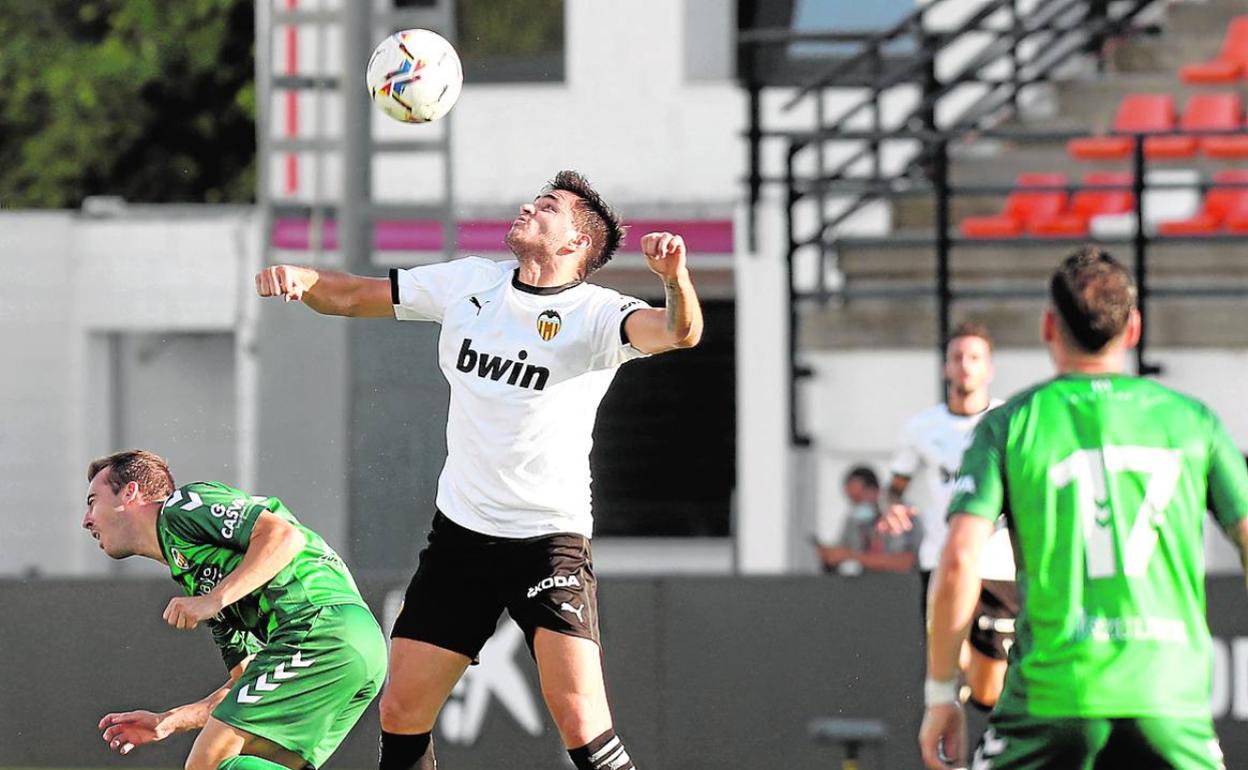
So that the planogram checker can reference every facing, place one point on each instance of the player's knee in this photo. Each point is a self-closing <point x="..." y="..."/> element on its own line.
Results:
<point x="405" y="712"/>
<point x="199" y="760"/>
<point x="578" y="717"/>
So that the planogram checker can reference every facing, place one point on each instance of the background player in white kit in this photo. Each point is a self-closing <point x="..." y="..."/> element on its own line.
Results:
<point x="529" y="350"/>
<point x="929" y="453"/>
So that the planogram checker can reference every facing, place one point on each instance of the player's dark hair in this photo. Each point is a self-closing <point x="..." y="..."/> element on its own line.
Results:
<point x="592" y="216"/>
<point x="865" y="475"/>
<point x="147" y="468"/>
<point x="970" y="329"/>
<point x="1093" y="295"/>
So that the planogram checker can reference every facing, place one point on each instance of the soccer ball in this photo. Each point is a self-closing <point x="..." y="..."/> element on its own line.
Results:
<point x="414" y="76"/>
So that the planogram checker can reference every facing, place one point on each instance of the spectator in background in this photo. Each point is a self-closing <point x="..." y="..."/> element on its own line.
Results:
<point x="862" y="546"/>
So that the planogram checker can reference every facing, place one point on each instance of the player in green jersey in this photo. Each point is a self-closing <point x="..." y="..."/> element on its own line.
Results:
<point x="305" y="654"/>
<point x="1104" y="480"/>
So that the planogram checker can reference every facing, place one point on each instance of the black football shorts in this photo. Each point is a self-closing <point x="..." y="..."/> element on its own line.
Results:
<point x="992" y="630"/>
<point x="466" y="579"/>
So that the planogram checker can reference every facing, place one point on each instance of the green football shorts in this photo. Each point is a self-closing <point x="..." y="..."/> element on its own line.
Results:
<point x="1015" y="742"/>
<point x="308" y="687"/>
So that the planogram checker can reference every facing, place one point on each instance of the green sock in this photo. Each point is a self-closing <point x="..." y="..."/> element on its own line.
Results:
<point x="249" y="762"/>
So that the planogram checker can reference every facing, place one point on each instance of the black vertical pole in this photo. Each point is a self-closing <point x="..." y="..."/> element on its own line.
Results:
<point x="796" y="372"/>
<point x="877" y="122"/>
<point x="1140" y="246"/>
<point x="756" y="173"/>
<point x="1016" y="25"/>
<point x="928" y="45"/>
<point x="944" y="294"/>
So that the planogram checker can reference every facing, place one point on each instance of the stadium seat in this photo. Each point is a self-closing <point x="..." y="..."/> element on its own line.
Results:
<point x="1180" y="199"/>
<point x="1232" y="145"/>
<point x="1204" y="112"/>
<point x="1021" y="208"/>
<point x="1086" y="204"/>
<point x="1138" y="113"/>
<point x="1221" y="205"/>
<point x="1230" y="64"/>
<point x="1226" y="146"/>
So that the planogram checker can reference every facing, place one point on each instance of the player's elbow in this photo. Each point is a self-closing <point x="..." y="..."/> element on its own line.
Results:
<point x="688" y="337"/>
<point x="291" y="542"/>
<point x="957" y="560"/>
<point x="279" y="537"/>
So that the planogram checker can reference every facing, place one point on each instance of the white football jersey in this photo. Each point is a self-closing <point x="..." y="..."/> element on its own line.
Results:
<point x="527" y="368"/>
<point x="929" y="453"/>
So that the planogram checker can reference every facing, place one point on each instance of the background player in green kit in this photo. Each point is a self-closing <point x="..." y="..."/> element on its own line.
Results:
<point x="304" y="652"/>
<point x="1104" y="480"/>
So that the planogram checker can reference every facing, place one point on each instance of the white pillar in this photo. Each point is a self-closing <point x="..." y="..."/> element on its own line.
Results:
<point x="764" y="456"/>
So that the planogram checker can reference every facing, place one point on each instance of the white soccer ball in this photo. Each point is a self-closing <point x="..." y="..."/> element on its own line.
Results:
<point x="414" y="76"/>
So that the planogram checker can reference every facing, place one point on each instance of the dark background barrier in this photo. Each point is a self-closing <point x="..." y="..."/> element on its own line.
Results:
<point x="703" y="673"/>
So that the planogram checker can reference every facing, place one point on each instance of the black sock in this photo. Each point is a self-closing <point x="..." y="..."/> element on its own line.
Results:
<point x="407" y="752"/>
<point x="605" y="752"/>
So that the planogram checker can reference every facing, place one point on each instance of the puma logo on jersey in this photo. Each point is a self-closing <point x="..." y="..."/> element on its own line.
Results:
<point x="499" y="369"/>
<point x="478" y="304"/>
<point x="565" y="607"/>
<point x="555" y="581"/>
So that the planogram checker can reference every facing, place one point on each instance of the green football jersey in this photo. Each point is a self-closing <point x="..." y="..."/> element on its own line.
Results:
<point x="1104" y="481"/>
<point x="204" y="529"/>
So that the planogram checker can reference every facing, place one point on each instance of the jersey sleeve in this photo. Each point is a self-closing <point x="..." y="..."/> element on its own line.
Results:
<point x="423" y="293"/>
<point x="906" y="461"/>
<point x="213" y="515"/>
<point x="235" y="645"/>
<point x="611" y="347"/>
<point x="1228" y="478"/>
<point x="980" y="486"/>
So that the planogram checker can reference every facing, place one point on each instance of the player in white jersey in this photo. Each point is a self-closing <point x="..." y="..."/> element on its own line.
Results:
<point x="927" y="460"/>
<point x="529" y="349"/>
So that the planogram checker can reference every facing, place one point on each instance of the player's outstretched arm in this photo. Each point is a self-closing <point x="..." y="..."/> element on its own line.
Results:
<point x="956" y="586"/>
<point x="326" y="291"/>
<point x="124" y="731"/>
<point x="679" y="323"/>
<point x="274" y="543"/>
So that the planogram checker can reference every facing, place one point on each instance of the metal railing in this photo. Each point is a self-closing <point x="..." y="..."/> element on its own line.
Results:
<point x="1056" y="31"/>
<point x="945" y="238"/>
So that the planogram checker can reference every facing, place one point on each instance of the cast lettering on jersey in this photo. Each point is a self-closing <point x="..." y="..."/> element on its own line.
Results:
<point x="1104" y="481"/>
<point x="528" y="368"/>
<point x="929" y="452"/>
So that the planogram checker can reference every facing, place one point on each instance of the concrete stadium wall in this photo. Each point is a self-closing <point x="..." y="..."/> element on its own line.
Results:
<point x="156" y="296"/>
<point x="703" y="673"/>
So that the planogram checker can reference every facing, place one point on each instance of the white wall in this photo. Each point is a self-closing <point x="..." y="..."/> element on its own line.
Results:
<point x="36" y="329"/>
<point x="70" y="281"/>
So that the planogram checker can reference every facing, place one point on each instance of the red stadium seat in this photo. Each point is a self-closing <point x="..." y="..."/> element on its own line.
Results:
<point x="1021" y="208"/>
<point x="1086" y="204"/>
<point x="1138" y="113"/>
<point x="1229" y="65"/>
<point x="1230" y="146"/>
<point x="1223" y="205"/>
<point x="1205" y="112"/>
<point x="1226" y="146"/>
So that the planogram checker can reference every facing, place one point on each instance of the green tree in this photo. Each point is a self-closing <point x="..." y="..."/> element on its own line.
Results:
<point x="152" y="100"/>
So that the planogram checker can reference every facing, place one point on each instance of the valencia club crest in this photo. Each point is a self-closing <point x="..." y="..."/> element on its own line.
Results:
<point x="548" y="324"/>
